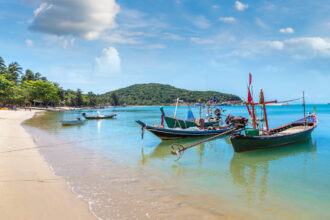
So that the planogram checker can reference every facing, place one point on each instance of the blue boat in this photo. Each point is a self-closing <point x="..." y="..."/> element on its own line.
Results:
<point x="176" y="133"/>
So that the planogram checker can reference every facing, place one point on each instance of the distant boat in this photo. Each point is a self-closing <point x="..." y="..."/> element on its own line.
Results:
<point x="176" y="133"/>
<point x="73" y="122"/>
<point x="99" y="116"/>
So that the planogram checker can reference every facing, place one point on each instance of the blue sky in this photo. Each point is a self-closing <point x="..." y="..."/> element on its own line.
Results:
<point x="201" y="45"/>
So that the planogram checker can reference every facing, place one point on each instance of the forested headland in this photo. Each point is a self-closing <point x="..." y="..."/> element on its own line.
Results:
<point x="28" y="88"/>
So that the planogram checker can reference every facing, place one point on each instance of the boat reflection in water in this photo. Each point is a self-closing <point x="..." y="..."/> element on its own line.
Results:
<point x="163" y="150"/>
<point x="250" y="170"/>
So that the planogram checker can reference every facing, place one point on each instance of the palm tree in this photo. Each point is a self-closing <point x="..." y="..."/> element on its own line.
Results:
<point x="29" y="75"/>
<point x="37" y="76"/>
<point x="14" y="70"/>
<point x="2" y="66"/>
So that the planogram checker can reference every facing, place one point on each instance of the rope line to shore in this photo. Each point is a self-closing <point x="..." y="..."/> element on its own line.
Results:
<point x="54" y="179"/>
<point x="64" y="143"/>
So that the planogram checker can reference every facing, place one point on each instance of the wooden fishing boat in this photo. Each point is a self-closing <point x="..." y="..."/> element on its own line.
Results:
<point x="261" y="138"/>
<point x="73" y="122"/>
<point x="175" y="133"/>
<point x="99" y="116"/>
<point x="179" y="123"/>
<point x="287" y="134"/>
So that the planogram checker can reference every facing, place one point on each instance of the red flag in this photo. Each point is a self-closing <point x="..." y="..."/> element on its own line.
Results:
<point x="250" y="79"/>
<point x="249" y="96"/>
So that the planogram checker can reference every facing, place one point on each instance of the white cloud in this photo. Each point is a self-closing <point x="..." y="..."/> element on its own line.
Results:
<point x="62" y="41"/>
<point x="154" y="47"/>
<point x="287" y="30"/>
<point x="309" y="46"/>
<point x="240" y="6"/>
<point x="277" y="45"/>
<point x="215" y="6"/>
<point x="109" y="63"/>
<point x="201" y="22"/>
<point x="171" y="36"/>
<point x="29" y="42"/>
<point x="121" y="38"/>
<point x="201" y="41"/>
<point x="261" y="23"/>
<point x="227" y="19"/>
<point x="84" y="18"/>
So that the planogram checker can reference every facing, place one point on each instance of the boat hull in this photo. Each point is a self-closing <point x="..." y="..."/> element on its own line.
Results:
<point x="246" y="143"/>
<point x="70" y="123"/>
<point x="99" y="117"/>
<point x="170" y="134"/>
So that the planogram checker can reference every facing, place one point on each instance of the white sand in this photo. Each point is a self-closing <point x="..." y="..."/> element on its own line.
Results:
<point x="28" y="188"/>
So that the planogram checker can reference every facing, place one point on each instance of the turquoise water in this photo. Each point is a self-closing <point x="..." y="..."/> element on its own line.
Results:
<point x="290" y="182"/>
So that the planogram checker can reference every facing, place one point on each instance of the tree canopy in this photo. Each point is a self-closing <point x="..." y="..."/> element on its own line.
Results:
<point x="28" y="88"/>
<point x="160" y="94"/>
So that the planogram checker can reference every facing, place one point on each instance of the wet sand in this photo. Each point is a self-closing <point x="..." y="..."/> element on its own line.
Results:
<point x="28" y="188"/>
<point x="116" y="190"/>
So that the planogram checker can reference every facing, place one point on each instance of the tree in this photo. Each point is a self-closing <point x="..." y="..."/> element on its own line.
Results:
<point x="115" y="98"/>
<point x="14" y="71"/>
<point x="91" y="99"/>
<point x="28" y="76"/>
<point x="6" y="89"/>
<point x="39" y="90"/>
<point x="37" y="76"/>
<point x="79" y="98"/>
<point x="2" y="66"/>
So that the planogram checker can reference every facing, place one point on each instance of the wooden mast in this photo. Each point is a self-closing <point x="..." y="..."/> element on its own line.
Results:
<point x="304" y="107"/>
<point x="253" y="113"/>
<point x="176" y="107"/>
<point x="262" y="99"/>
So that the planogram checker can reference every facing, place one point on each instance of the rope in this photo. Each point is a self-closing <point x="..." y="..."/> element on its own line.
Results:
<point x="292" y="100"/>
<point x="64" y="143"/>
<point x="181" y="149"/>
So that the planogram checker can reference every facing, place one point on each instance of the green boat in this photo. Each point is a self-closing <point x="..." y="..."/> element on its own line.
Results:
<point x="294" y="132"/>
<point x="178" y="123"/>
<point x="263" y="138"/>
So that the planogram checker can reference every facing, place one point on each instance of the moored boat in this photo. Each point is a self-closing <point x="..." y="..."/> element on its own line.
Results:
<point x="176" y="133"/>
<point x="260" y="138"/>
<point x="291" y="133"/>
<point x="179" y="123"/>
<point x="73" y="122"/>
<point x="99" y="116"/>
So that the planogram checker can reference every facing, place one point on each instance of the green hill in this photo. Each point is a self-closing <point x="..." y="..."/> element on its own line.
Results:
<point x="160" y="94"/>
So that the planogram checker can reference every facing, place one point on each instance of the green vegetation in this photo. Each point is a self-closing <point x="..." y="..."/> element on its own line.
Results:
<point x="29" y="88"/>
<point x="160" y="94"/>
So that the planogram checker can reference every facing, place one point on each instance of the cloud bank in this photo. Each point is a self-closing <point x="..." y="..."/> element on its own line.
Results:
<point x="84" y="18"/>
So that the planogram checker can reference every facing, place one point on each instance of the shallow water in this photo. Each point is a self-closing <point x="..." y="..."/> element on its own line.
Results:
<point x="122" y="176"/>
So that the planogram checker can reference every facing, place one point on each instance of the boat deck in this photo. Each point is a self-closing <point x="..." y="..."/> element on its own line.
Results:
<point x="292" y="130"/>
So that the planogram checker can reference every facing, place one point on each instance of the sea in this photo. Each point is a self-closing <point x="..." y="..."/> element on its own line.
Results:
<point x="121" y="175"/>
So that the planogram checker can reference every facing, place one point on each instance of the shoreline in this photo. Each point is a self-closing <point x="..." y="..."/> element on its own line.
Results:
<point x="28" y="187"/>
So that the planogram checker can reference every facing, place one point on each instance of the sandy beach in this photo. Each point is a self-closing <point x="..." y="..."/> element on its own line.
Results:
<point x="28" y="188"/>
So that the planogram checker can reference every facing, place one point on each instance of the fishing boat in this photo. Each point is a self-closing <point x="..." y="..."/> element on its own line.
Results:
<point x="260" y="138"/>
<point x="174" y="122"/>
<point x="176" y="133"/>
<point x="73" y="122"/>
<point x="99" y="116"/>
<point x="296" y="131"/>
